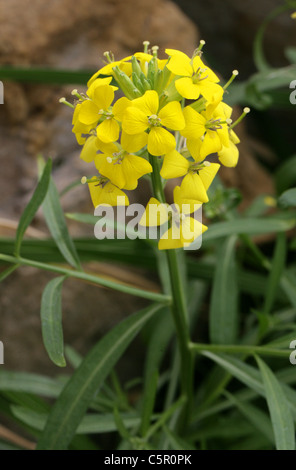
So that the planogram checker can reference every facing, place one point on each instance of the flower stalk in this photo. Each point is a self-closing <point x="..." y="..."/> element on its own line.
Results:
<point x="178" y="306"/>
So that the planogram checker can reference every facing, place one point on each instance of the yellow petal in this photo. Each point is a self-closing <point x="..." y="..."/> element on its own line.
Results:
<point x="134" y="121"/>
<point x="108" y="148"/>
<point x="170" y="240"/>
<point x="89" y="113"/>
<point x="89" y="150"/>
<point x="194" y="124"/>
<point x="135" y="167"/>
<point x="228" y="156"/>
<point x="208" y="173"/>
<point x="155" y="214"/>
<point x="212" y="92"/>
<point x="192" y="188"/>
<point x="187" y="88"/>
<point x="172" y="116"/>
<point x="233" y="137"/>
<point x="207" y="73"/>
<point x="210" y="144"/>
<point x="185" y="206"/>
<point x="194" y="146"/>
<point x="190" y="230"/>
<point x="119" y="108"/>
<point x="160" y="141"/>
<point x="103" y="96"/>
<point x="174" y="165"/>
<point x="114" y="172"/>
<point x="133" y="143"/>
<point x="97" y="83"/>
<point x="148" y="103"/>
<point x="179" y="64"/>
<point x="107" y="194"/>
<point x="108" y="130"/>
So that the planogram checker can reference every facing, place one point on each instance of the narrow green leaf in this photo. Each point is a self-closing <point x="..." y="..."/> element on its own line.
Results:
<point x="277" y="266"/>
<point x="56" y="223"/>
<point x="243" y="372"/>
<point x="176" y="442"/>
<point x="45" y="75"/>
<point x="74" y="400"/>
<point x="282" y="422"/>
<point x="249" y="376"/>
<point x="248" y="226"/>
<point x="290" y="53"/>
<point x="288" y="198"/>
<point x="285" y="176"/>
<point x="33" y="206"/>
<point x="51" y="321"/>
<point x="121" y="428"/>
<point x="287" y="283"/>
<point x="149" y="401"/>
<point x="93" y="423"/>
<point x="166" y="415"/>
<point x="224" y="297"/>
<point x="254" y="415"/>
<point x="29" y="383"/>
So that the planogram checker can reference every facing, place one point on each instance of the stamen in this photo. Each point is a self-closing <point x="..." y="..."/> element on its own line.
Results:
<point x="244" y="113"/>
<point x="64" y="101"/>
<point x="75" y="93"/>
<point x="233" y="76"/>
<point x="109" y="56"/>
<point x="154" y="50"/>
<point x="146" y="44"/>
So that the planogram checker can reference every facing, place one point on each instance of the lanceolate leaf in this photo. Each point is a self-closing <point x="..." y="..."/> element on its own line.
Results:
<point x="224" y="309"/>
<point x="56" y="223"/>
<point x="33" y="206"/>
<point x="74" y="400"/>
<point x="248" y="226"/>
<point x="51" y="321"/>
<point x="281" y="418"/>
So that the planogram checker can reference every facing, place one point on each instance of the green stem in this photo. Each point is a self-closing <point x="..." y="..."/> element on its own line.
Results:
<point x="240" y="349"/>
<point x="178" y="306"/>
<point x="88" y="278"/>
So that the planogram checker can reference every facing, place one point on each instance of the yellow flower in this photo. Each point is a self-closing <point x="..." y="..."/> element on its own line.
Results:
<point x="120" y="165"/>
<point x="197" y="181"/>
<point x="79" y="129"/>
<point x="102" y="192"/>
<point x="98" y="110"/>
<point x="180" y="229"/>
<point x="197" y="79"/>
<point x="145" y="115"/>
<point x="208" y="130"/>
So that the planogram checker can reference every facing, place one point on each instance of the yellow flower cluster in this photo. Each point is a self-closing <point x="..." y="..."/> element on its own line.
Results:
<point x="172" y="112"/>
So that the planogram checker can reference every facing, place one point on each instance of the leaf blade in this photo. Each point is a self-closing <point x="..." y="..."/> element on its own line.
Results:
<point x="51" y="321"/>
<point x="282" y="422"/>
<point x="34" y="204"/>
<point x="224" y="297"/>
<point x="73" y="402"/>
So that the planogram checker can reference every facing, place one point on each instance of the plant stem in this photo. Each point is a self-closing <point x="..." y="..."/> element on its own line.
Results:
<point x="178" y="306"/>
<point x="92" y="278"/>
<point x="240" y="349"/>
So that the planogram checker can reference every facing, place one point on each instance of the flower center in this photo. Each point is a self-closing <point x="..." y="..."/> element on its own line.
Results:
<point x="214" y="124"/>
<point x="197" y="76"/>
<point x="105" y="114"/>
<point x="117" y="157"/>
<point x="154" y="120"/>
